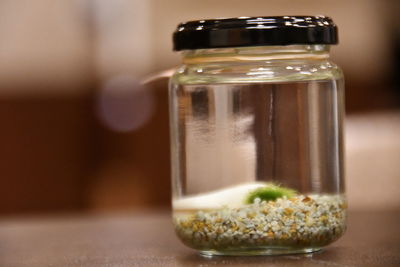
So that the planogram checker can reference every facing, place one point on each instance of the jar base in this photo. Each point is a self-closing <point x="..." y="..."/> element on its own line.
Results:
<point x="272" y="251"/>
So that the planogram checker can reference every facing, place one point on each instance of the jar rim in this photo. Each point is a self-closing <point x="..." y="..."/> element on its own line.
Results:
<point x="259" y="53"/>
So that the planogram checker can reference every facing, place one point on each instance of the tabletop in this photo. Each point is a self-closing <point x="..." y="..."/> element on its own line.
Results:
<point x="148" y="239"/>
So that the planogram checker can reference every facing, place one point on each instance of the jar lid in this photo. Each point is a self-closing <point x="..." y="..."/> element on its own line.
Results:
<point x="255" y="31"/>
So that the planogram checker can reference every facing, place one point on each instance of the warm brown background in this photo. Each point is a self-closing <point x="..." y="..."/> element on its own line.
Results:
<point x="61" y="145"/>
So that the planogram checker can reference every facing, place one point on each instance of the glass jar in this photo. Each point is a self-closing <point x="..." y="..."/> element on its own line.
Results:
<point x="256" y="119"/>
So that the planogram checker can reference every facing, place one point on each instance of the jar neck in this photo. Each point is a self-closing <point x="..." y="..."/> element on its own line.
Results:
<point x="258" y="53"/>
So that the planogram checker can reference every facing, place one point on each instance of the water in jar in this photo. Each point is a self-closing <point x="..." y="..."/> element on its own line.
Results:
<point x="257" y="164"/>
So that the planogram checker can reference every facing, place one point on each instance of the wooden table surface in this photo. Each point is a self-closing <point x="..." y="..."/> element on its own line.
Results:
<point x="147" y="239"/>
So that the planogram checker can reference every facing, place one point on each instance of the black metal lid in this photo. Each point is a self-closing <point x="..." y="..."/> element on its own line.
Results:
<point x="255" y="31"/>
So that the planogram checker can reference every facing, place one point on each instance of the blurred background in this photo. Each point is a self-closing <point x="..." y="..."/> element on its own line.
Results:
<point x="79" y="132"/>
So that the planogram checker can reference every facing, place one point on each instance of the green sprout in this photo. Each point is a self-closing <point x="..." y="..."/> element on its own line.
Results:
<point x="269" y="192"/>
